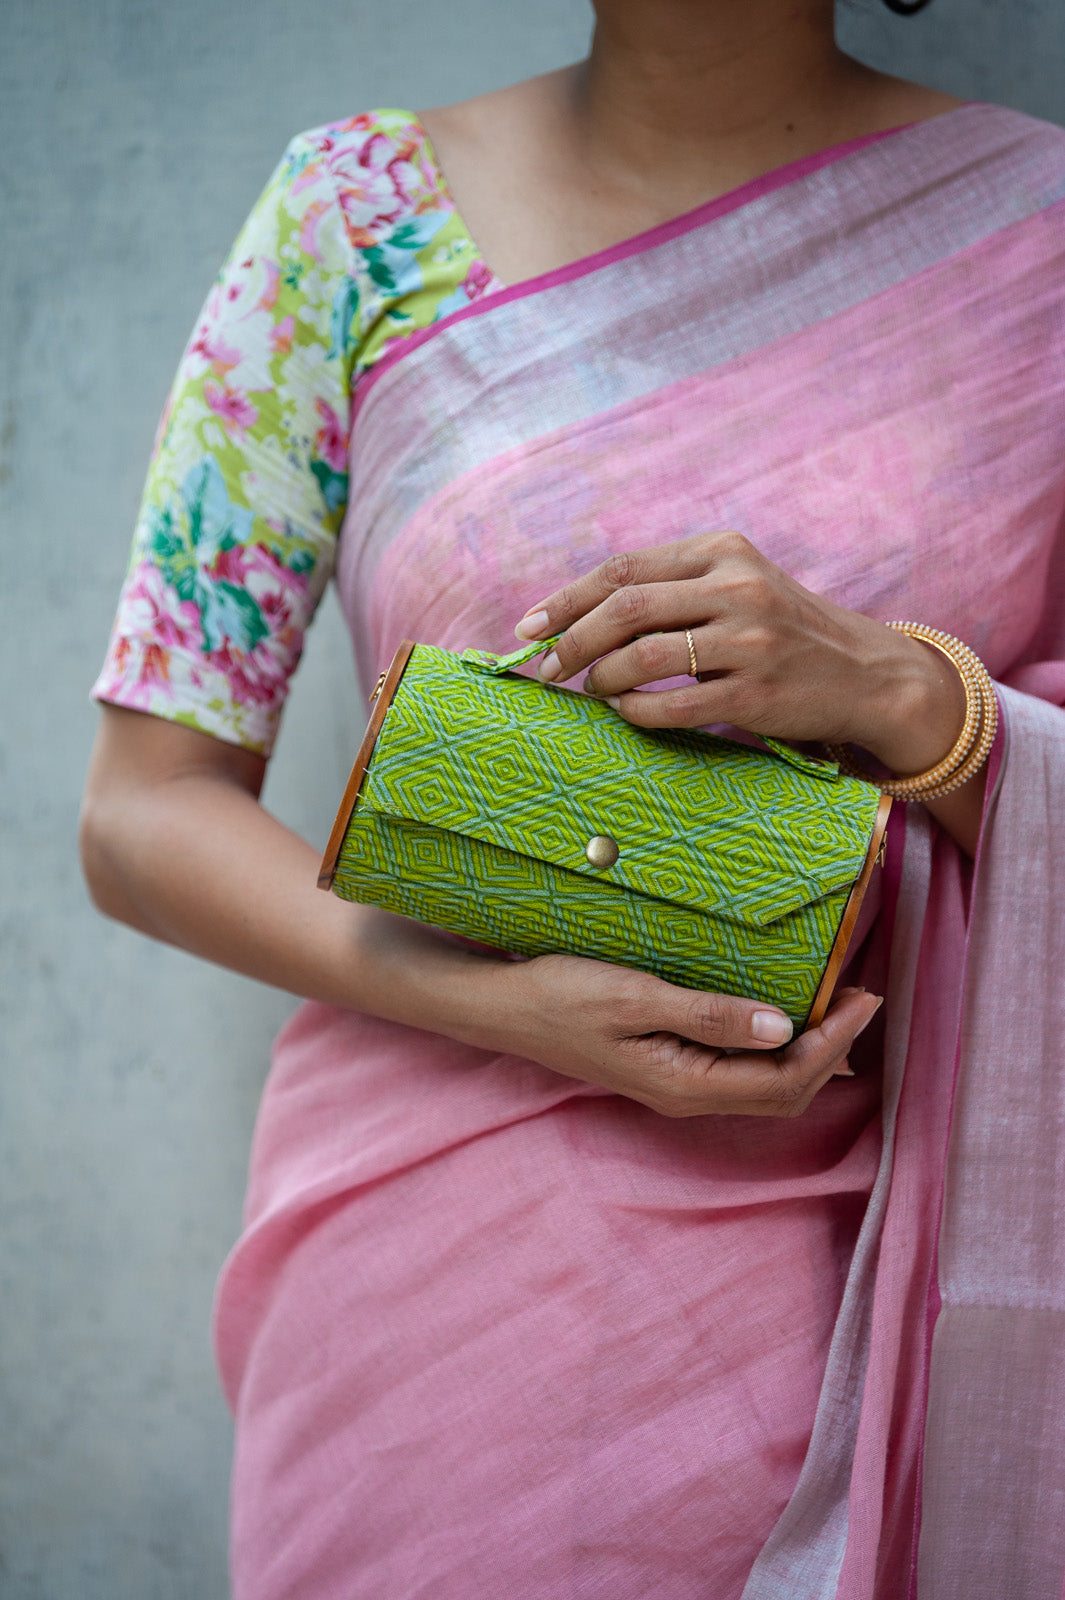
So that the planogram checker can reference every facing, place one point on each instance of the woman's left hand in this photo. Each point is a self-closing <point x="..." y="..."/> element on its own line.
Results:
<point x="772" y="657"/>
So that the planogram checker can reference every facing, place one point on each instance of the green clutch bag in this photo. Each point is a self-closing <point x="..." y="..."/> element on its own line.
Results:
<point x="532" y="818"/>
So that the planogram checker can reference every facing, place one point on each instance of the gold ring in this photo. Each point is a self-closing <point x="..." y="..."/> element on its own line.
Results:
<point x="693" y="667"/>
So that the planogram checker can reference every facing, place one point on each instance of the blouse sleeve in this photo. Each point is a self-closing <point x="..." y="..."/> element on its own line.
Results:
<point x="247" y="486"/>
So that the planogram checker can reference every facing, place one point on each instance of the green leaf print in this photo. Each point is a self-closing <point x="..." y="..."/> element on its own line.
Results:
<point x="185" y="549"/>
<point x="171" y="552"/>
<point x="416" y="232"/>
<point x="215" y="523"/>
<point x="378" y="268"/>
<point x="334" y="485"/>
<point x="393" y="264"/>
<point x="342" y="331"/>
<point x="300" y="562"/>
<point x="243" y="620"/>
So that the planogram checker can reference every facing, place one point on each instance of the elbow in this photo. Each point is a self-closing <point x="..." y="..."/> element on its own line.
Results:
<point x="97" y="850"/>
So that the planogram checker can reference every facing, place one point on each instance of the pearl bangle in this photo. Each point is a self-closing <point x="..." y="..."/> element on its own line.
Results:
<point x="973" y="745"/>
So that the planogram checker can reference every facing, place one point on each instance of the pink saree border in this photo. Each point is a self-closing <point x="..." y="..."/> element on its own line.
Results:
<point x="637" y="244"/>
<point x="934" y="1297"/>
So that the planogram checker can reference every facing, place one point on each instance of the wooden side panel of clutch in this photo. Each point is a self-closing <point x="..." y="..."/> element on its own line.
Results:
<point x="838" y="953"/>
<point x="385" y="695"/>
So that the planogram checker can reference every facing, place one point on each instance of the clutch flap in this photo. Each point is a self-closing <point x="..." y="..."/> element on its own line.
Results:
<point x="684" y="817"/>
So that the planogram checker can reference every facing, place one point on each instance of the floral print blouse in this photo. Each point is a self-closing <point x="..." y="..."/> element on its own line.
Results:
<point x="354" y="244"/>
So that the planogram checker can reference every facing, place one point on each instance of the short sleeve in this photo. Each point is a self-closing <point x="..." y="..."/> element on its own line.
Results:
<point x="247" y="486"/>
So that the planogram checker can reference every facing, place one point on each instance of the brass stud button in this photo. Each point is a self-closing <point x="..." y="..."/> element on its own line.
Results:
<point x="602" y="850"/>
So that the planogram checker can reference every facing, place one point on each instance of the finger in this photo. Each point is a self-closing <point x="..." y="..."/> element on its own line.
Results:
<point x="828" y="1045"/>
<point x="720" y="1021"/>
<point x="692" y="706"/>
<point x="837" y="1067"/>
<point x="681" y="558"/>
<point x="654" y="656"/>
<point x="817" y="1051"/>
<point x="688" y="1080"/>
<point x="785" y="1082"/>
<point x="648" y="619"/>
<point x="843" y="1067"/>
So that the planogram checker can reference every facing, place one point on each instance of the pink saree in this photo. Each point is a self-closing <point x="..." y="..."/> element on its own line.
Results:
<point x="492" y="1332"/>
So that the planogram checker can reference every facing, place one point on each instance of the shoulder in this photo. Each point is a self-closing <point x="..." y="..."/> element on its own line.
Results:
<point x="378" y="167"/>
<point x="367" y="203"/>
<point x="1022" y="157"/>
<point x="499" y="127"/>
<point x="1050" y="134"/>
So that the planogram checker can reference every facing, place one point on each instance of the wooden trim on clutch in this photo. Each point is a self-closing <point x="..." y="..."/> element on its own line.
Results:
<point x="385" y="695"/>
<point x="838" y="953"/>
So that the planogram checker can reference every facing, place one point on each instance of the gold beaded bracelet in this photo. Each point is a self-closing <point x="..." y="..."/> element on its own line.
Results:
<point x="973" y="745"/>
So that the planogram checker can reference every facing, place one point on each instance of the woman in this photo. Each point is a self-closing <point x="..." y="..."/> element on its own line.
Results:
<point x="556" y="1279"/>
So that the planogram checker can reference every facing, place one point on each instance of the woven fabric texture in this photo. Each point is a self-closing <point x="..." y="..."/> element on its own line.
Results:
<point x="734" y="864"/>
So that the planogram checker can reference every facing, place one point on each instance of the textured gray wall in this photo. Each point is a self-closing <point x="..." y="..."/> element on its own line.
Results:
<point x="135" y="136"/>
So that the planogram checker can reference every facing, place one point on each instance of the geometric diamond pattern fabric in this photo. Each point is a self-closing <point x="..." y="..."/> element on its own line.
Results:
<point x="734" y="864"/>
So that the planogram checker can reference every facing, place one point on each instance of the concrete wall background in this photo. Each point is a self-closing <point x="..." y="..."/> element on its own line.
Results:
<point x="135" y="137"/>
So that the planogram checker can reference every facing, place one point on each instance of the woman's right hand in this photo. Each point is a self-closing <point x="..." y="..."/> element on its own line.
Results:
<point x="176" y="844"/>
<point x="682" y="1052"/>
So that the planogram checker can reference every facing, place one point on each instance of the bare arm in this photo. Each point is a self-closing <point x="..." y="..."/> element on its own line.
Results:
<point x="175" y="843"/>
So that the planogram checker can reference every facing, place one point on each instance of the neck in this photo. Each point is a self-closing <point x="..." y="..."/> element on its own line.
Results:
<point x="694" y="83"/>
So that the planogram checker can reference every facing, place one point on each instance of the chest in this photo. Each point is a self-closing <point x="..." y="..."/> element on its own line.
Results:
<point x="904" y="455"/>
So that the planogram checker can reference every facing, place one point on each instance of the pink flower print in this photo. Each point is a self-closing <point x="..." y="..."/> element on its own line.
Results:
<point x="259" y="676"/>
<point x="278" y="591"/>
<point x="281" y="336"/>
<point x="154" y="611"/>
<point x="245" y="682"/>
<point x="164" y="423"/>
<point x="388" y="159"/>
<point x="136" y="675"/>
<point x="272" y="288"/>
<point x="209" y="352"/>
<point x="330" y="443"/>
<point x="311" y="175"/>
<point x="154" y="674"/>
<point x="231" y="341"/>
<point x="411" y="180"/>
<point x="379" y="183"/>
<point x="233" y="406"/>
<point x="362" y="122"/>
<point x="228" y="566"/>
<point x="477" y="279"/>
<point x="117" y="664"/>
<point x="153" y="622"/>
<point x="248" y="286"/>
<point x="309" y="228"/>
<point x="312" y="172"/>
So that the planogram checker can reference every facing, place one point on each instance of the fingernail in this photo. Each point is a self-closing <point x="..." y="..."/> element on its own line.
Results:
<point x="769" y="1027"/>
<point x="853" y="989"/>
<point x="843" y="1072"/>
<point x="550" y="667"/>
<point x="532" y="625"/>
<point x="872" y="1014"/>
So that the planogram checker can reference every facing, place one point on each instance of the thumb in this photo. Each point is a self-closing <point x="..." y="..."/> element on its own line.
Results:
<point x="725" y="1021"/>
<point x="851" y="1011"/>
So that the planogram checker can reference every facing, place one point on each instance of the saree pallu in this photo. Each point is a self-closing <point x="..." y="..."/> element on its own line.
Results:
<point x="490" y="1331"/>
